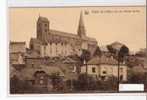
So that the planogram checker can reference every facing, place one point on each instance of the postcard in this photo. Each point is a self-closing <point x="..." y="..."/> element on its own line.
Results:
<point x="79" y="49"/>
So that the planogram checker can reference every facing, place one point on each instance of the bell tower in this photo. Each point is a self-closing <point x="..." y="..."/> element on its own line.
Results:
<point x="81" y="28"/>
<point x="42" y="29"/>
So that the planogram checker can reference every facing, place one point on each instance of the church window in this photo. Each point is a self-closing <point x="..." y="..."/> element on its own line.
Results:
<point x="41" y="82"/>
<point x="104" y="72"/>
<point x="41" y="77"/>
<point x="103" y="77"/>
<point x="93" y="70"/>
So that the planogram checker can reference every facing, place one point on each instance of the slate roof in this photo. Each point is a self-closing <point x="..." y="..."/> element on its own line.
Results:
<point x="70" y="35"/>
<point x="104" y="49"/>
<point x="102" y="60"/>
<point x="94" y="61"/>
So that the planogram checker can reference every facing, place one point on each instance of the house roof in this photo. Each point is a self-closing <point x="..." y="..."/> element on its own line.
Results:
<point x="103" y="60"/>
<point x="104" y="49"/>
<point x="94" y="61"/>
<point x="13" y="43"/>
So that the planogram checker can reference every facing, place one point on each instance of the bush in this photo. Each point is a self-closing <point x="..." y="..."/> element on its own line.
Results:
<point x="57" y="82"/>
<point x="20" y="86"/>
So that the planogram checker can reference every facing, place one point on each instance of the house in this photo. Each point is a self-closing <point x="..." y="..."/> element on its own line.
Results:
<point x="104" y="67"/>
<point x="40" y="76"/>
<point x="17" y="54"/>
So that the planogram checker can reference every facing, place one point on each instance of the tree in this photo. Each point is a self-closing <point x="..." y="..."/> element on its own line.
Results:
<point x="83" y="85"/>
<point x="124" y="51"/>
<point x="136" y="77"/>
<point x="20" y="86"/>
<point x="57" y="82"/>
<point x="111" y="49"/>
<point x="97" y="52"/>
<point x="85" y="56"/>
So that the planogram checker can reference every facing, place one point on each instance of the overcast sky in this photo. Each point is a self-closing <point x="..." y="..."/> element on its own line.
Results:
<point x="107" y="24"/>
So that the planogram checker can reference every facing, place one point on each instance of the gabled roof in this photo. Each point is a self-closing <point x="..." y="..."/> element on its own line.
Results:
<point x="12" y="42"/>
<point x="95" y="61"/>
<point x="102" y="60"/>
<point x="104" y="49"/>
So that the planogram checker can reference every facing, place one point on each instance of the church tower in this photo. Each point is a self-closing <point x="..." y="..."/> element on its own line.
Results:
<point x="81" y="28"/>
<point x="42" y="29"/>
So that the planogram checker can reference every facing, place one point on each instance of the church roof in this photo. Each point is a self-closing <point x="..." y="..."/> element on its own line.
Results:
<point x="65" y="34"/>
<point x="70" y="35"/>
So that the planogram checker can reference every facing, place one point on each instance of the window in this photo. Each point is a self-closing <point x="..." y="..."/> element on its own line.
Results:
<point x="121" y="70"/>
<point x="45" y="30"/>
<point x="41" y="82"/>
<point x="104" y="72"/>
<point x="93" y="70"/>
<point x="103" y="78"/>
<point x="31" y="46"/>
<point x="41" y="77"/>
<point x="121" y="77"/>
<point x="45" y="25"/>
<point x="62" y="44"/>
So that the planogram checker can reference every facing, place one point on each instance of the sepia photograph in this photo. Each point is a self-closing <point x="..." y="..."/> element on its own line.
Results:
<point x="59" y="50"/>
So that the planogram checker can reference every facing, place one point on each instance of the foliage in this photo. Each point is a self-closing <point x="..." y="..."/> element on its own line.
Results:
<point x="57" y="82"/>
<point x="20" y="86"/>
<point x="89" y="83"/>
<point x="97" y="52"/>
<point x="136" y="77"/>
<point x="111" y="49"/>
<point x="85" y="55"/>
<point x="124" y="51"/>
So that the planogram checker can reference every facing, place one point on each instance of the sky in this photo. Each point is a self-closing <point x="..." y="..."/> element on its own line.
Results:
<point x="107" y="24"/>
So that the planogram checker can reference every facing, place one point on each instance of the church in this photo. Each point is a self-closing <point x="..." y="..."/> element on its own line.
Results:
<point x="54" y="43"/>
